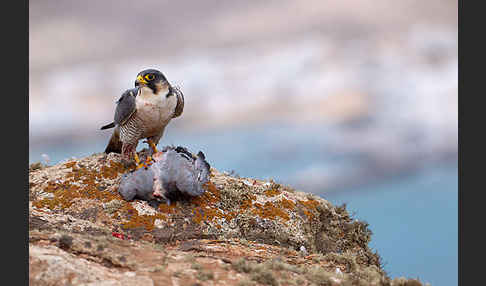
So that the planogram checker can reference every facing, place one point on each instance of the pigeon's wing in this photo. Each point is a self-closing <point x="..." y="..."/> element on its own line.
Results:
<point x="126" y="106"/>
<point x="180" y="102"/>
<point x="144" y="181"/>
<point x="127" y="188"/>
<point x="202" y="168"/>
<point x="186" y="182"/>
<point x="187" y="176"/>
<point x="175" y="172"/>
<point x="194" y="175"/>
<point x="184" y="152"/>
<point x="201" y="162"/>
<point x="137" y="184"/>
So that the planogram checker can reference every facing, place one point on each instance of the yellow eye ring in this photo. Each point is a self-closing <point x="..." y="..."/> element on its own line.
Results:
<point x="150" y="76"/>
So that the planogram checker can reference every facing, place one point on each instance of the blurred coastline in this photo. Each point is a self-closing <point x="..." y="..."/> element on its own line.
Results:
<point x="379" y="79"/>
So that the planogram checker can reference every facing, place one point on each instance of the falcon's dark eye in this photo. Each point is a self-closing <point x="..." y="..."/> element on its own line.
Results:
<point x="150" y="76"/>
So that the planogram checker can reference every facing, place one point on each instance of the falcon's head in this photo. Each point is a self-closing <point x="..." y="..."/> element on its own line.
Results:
<point x="154" y="80"/>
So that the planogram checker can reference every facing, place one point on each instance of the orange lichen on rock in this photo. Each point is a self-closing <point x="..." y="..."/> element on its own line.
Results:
<point x="272" y="192"/>
<point x="197" y="216"/>
<point x="211" y="196"/>
<point x="268" y="210"/>
<point x="248" y="203"/>
<point x="112" y="171"/>
<point x="79" y="183"/>
<point x="310" y="203"/>
<point x="309" y="207"/>
<point x="167" y="209"/>
<point x="229" y="216"/>
<point x="288" y="204"/>
<point x="206" y="208"/>
<point x="146" y="221"/>
<point x="62" y="195"/>
<point x="70" y="164"/>
<point x="135" y="220"/>
<point x="206" y="214"/>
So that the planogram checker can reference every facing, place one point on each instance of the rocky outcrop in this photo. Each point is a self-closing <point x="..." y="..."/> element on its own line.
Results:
<point x="241" y="231"/>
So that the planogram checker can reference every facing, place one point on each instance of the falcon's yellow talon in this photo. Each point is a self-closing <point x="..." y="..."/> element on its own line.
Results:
<point x="137" y="159"/>
<point x="140" y="164"/>
<point x="149" y="161"/>
<point x="152" y="145"/>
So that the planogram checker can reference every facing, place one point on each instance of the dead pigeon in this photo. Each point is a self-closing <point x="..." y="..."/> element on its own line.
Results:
<point x="174" y="174"/>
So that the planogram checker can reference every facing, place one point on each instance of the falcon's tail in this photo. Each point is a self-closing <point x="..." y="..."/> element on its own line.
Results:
<point x="107" y="126"/>
<point x="115" y="145"/>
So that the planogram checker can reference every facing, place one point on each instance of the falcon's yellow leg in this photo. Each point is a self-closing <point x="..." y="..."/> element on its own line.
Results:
<point x="152" y="145"/>
<point x="135" y="156"/>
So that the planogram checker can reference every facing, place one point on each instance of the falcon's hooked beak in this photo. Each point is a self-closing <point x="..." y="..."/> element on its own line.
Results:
<point x="140" y="81"/>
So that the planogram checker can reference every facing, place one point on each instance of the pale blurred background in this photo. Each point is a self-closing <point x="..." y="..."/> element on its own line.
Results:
<point x="355" y="101"/>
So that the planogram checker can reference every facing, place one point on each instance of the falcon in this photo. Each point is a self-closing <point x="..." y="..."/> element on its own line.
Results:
<point x="143" y="113"/>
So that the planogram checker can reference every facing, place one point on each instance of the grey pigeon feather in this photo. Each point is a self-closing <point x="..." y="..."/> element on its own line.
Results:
<point x="175" y="174"/>
<point x="137" y="184"/>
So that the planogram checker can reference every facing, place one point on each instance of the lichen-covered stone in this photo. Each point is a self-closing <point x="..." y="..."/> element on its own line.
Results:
<point x="76" y="205"/>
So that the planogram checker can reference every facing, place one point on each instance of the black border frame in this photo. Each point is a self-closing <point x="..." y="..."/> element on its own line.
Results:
<point x="15" y="116"/>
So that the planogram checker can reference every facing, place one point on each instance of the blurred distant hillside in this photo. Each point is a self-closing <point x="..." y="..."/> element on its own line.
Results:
<point x="379" y="77"/>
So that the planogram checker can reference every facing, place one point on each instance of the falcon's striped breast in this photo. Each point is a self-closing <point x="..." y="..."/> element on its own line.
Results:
<point x="132" y="130"/>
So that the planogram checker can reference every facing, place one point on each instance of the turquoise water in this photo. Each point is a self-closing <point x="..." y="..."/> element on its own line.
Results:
<point x="274" y="152"/>
<point x="414" y="220"/>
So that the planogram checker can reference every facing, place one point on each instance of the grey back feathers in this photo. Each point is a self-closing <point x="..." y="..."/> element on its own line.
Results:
<point x="176" y="174"/>
<point x="126" y="106"/>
